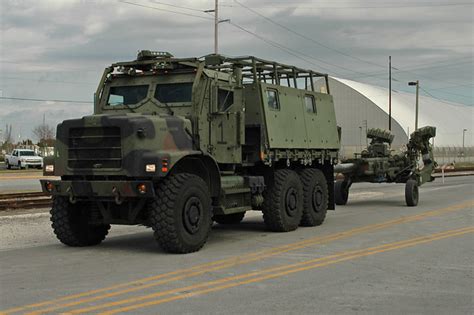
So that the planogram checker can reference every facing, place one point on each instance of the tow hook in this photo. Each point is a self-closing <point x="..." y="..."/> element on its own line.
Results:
<point x="116" y="193"/>
<point x="72" y="199"/>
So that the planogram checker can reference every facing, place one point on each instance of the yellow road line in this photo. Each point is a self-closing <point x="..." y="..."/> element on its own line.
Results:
<point x="248" y="275"/>
<point x="293" y="268"/>
<point x="224" y="263"/>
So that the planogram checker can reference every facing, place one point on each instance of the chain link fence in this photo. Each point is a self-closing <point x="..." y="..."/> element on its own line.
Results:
<point x="447" y="155"/>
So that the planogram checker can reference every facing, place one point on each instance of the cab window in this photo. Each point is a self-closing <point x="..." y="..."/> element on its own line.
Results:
<point x="225" y="99"/>
<point x="272" y="99"/>
<point x="310" y="104"/>
<point x="127" y="95"/>
<point x="174" y="92"/>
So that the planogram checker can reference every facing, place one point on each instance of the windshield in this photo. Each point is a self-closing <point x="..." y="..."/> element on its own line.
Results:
<point x="27" y="153"/>
<point x="127" y="95"/>
<point x="174" y="92"/>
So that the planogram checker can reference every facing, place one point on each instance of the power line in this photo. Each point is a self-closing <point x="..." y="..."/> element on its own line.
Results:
<point x="276" y="45"/>
<point x="442" y="101"/>
<point x="306" y="37"/>
<point x="43" y="100"/>
<point x="437" y="65"/>
<point x="455" y="94"/>
<point x="165" y="10"/>
<point x="343" y="7"/>
<point x="452" y="86"/>
<point x="176" y="6"/>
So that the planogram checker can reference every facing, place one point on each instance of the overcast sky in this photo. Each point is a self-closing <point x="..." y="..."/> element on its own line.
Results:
<point x="57" y="49"/>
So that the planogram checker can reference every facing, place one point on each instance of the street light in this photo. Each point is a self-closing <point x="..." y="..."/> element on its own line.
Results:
<point x="417" y="83"/>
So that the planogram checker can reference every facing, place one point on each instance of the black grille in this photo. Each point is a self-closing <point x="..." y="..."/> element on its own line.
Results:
<point x="95" y="148"/>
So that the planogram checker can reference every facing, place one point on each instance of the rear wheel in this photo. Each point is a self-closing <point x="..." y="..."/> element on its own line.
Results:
<point x="70" y="223"/>
<point x="180" y="215"/>
<point x="411" y="193"/>
<point x="8" y="165"/>
<point x="315" y="197"/>
<point x="233" y="218"/>
<point x="283" y="202"/>
<point x="341" y="192"/>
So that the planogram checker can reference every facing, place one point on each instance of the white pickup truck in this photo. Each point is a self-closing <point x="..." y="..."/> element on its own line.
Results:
<point x="23" y="158"/>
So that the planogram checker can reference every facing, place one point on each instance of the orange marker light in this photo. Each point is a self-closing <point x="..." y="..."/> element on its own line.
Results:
<point x="141" y="188"/>
<point x="49" y="186"/>
<point x="164" y="166"/>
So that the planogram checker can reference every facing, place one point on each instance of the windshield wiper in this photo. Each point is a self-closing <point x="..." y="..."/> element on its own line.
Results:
<point x="168" y="108"/>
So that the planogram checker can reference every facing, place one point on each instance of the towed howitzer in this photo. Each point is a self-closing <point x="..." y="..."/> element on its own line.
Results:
<point x="377" y="164"/>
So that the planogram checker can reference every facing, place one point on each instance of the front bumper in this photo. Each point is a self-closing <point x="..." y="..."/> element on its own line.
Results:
<point x="98" y="189"/>
<point x="32" y="163"/>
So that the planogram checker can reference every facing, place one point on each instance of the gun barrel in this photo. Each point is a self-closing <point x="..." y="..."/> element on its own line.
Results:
<point x="345" y="168"/>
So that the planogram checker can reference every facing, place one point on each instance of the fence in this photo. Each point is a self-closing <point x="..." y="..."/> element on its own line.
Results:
<point x="446" y="155"/>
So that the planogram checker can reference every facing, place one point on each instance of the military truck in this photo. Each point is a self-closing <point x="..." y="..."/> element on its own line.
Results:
<point x="377" y="164"/>
<point x="177" y="143"/>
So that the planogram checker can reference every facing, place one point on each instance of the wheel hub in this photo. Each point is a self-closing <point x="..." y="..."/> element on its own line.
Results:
<point x="317" y="198"/>
<point x="192" y="214"/>
<point x="291" y="201"/>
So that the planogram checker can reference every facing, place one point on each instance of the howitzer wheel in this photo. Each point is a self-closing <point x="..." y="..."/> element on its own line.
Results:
<point x="71" y="226"/>
<point x="411" y="193"/>
<point x="283" y="202"/>
<point x="233" y="218"/>
<point x="341" y="192"/>
<point x="180" y="215"/>
<point x="315" y="197"/>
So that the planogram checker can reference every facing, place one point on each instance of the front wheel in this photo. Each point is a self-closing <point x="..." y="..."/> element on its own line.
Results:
<point x="180" y="215"/>
<point x="70" y="223"/>
<point x="411" y="193"/>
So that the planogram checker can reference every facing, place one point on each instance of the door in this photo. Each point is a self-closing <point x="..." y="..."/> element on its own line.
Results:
<point x="227" y="124"/>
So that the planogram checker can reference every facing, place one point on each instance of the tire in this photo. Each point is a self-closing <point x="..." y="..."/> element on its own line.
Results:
<point x="181" y="215"/>
<point x="9" y="167"/>
<point x="341" y="192"/>
<point x="315" y="197"/>
<point x="233" y="218"/>
<point x="19" y="166"/>
<point x="411" y="193"/>
<point x="69" y="222"/>
<point x="283" y="202"/>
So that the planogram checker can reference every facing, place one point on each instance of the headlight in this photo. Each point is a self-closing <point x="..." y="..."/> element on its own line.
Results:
<point x="150" y="168"/>
<point x="49" y="168"/>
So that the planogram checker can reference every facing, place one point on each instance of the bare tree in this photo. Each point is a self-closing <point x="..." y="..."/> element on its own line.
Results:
<point x="45" y="134"/>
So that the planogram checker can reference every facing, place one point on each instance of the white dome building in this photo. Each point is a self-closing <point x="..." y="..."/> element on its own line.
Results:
<point x="360" y="106"/>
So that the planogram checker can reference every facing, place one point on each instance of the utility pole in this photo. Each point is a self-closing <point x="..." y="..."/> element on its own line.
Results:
<point x="216" y="26"/>
<point x="390" y="93"/>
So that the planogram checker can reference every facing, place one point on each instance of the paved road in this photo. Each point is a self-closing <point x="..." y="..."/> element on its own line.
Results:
<point x="374" y="255"/>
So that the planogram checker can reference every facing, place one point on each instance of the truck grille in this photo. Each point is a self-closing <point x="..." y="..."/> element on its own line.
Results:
<point x="94" y="148"/>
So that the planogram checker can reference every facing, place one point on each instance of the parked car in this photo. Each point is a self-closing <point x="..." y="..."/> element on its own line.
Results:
<point x="23" y="158"/>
